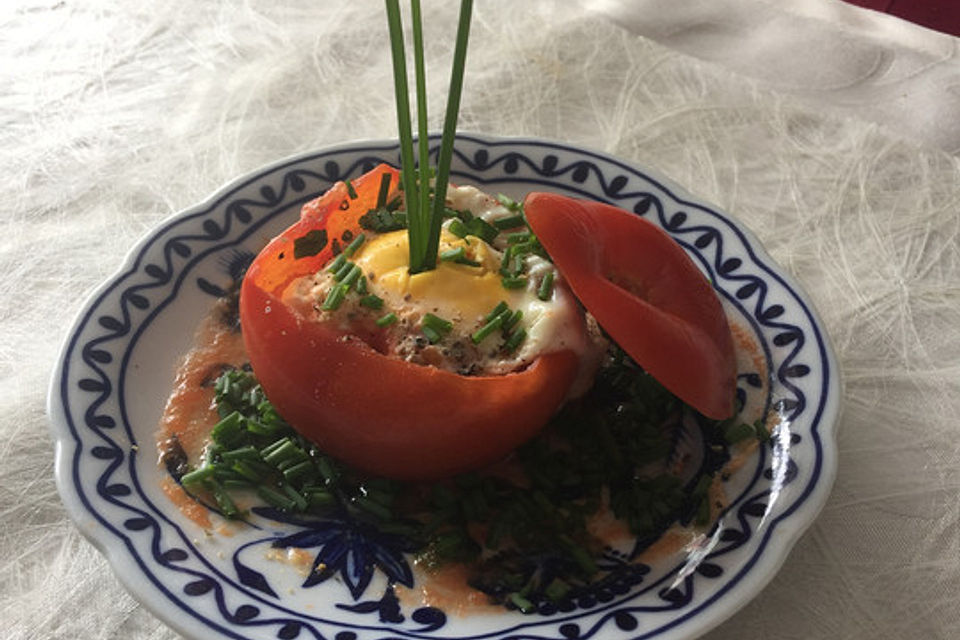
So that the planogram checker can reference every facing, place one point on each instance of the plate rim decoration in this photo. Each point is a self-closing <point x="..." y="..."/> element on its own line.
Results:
<point x="100" y="455"/>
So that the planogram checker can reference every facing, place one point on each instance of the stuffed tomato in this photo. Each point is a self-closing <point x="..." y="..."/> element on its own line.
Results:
<point x="412" y="376"/>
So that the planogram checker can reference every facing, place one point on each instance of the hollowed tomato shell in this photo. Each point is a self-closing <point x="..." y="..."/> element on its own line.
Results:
<point x="646" y="293"/>
<point x="381" y="414"/>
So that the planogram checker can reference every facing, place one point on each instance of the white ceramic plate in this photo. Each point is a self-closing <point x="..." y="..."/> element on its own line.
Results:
<point x="116" y="369"/>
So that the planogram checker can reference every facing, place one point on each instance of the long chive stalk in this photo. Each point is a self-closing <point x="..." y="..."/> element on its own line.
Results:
<point x="414" y="226"/>
<point x="423" y="138"/>
<point x="449" y="132"/>
<point x="423" y="222"/>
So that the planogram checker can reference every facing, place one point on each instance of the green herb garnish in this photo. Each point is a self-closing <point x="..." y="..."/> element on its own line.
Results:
<point x="387" y="320"/>
<point x="509" y="223"/>
<point x="354" y="245"/>
<point x="545" y="290"/>
<point x="335" y="297"/>
<point x="310" y="244"/>
<point x="423" y="221"/>
<point x="371" y="301"/>
<point x="351" y="192"/>
<point x="513" y="282"/>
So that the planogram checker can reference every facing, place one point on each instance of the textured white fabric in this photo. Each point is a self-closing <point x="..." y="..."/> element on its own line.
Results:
<point x="824" y="53"/>
<point x="116" y="114"/>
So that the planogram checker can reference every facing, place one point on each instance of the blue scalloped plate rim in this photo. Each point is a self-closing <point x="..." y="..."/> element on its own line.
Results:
<point x="104" y="435"/>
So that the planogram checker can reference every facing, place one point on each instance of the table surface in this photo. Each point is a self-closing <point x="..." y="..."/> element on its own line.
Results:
<point x="831" y="131"/>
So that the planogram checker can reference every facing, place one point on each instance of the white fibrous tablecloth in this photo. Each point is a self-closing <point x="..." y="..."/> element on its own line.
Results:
<point x="117" y="114"/>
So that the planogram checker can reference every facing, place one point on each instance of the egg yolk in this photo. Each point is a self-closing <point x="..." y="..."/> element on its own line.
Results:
<point x="455" y="291"/>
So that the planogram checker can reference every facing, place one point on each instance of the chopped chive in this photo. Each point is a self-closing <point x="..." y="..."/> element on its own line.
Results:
<point x="703" y="513"/>
<point x="459" y="256"/>
<point x="546" y="287"/>
<point x="556" y="590"/>
<point x="515" y="339"/>
<point x="497" y="310"/>
<point x="362" y="285"/>
<point x="286" y="451"/>
<point x="299" y="501"/>
<point x="352" y="276"/>
<point x="507" y="260"/>
<point x="579" y="554"/>
<point x="519" y="237"/>
<point x="512" y="319"/>
<point x="371" y="301"/>
<point x="273" y="447"/>
<point x="350" y="190"/>
<point x="299" y="471"/>
<point x="275" y="498"/>
<point x="737" y="432"/>
<point x="478" y="336"/>
<point x="374" y="508"/>
<point x="354" y="245"/>
<point x="513" y="282"/>
<point x="197" y="475"/>
<point x="387" y="320"/>
<point x="384" y="190"/>
<point x="458" y="229"/>
<point x="529" y="246"/>
<point x="521" y="603"/>
<point x="250" y="470"/>
<point x="261" y="428"/>
<point x="224" y="501"/>
<point x="508" y="223"/>
<point x="318" y="498"/>
<point x="432" y="334"/>
<point x="437" y="323"/>
<point x="382" y="220"/>
<point x="482" y="229"/>
<point x="509" y="202"/>
<point x="342" y="272"/>
<point x="228" y="431"/>
<point x="248" y="452"/>
<point x="328" y="470"/>
<point x="337" y="263"/>
<point x="517" y="267"/>
<point x="235" y="484"/>
<point x="453" y="255"/>
<point x="335" y="298"/>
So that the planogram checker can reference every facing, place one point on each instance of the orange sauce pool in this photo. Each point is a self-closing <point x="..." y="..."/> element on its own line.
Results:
<point x="187" y="505"/>
<point x="190" y="411"/>
<point x="446" y="588"/>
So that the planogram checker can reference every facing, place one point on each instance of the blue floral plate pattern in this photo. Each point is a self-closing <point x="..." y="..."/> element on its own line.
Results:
<point x="117" y="365"/>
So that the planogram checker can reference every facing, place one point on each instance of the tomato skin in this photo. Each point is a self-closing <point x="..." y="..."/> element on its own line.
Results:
<point x="333" y="213"/>
<point x="646" y="293"/>
<point x="381" y="414"/>
<point x="388" y="416"/>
